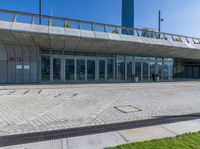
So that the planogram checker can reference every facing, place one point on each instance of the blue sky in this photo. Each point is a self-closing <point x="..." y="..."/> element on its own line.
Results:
<point x="180" y="16"/>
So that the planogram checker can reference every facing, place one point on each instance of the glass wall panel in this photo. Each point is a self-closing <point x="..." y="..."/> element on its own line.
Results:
<point x="138" y="70"/>
<point x="80" y="70"/>
<point x="167" y="70"/>
<point x="102" y="70"/>
<point x="45" y="68"/>
<point x="159" y="66"/>
<point x="69" y="69"/>
<point x="152" y="66"/>
<point x="110" y="69"/>
<point x="171" y="73"/>
<point x="121" y="68"/>
<point x="145" y="71"/>
<point x="129" y="70"/>
<point x="90" y="70"/>
<point x="56" y="69"/>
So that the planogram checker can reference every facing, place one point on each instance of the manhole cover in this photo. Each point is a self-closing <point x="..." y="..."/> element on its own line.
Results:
<point x="127" y="109"/>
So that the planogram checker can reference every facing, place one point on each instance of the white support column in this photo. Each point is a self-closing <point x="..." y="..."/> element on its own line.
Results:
<point x="63" y="69"/>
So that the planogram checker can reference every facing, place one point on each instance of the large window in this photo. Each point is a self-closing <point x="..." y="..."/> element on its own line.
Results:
<point x="160" y="69"/>
<point x="80" y="70"/>
<point x="102" y="70"/>
<point x="168" y="70"/>
<point x="121" y="68"/>
<point x="152" y="66"/>
<point x="129" y="70"/>
<point x="69" y="69"/>
<point x="56" y="69"/>
<point x="138" y="70"/>
<point x="145" y="71"/>
<point x="45" y="68"/>
<point x="90" y="70"/>
<point x="110" y="69"/>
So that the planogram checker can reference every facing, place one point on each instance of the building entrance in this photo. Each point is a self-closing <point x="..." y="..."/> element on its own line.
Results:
<point x="56" y="69"/>
<point x="75" y="68"/>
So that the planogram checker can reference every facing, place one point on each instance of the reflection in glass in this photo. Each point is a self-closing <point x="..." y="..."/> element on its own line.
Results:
<point x="168" y="70"/>
<point x="45" y="68"/>
<point x="138" y="70"/>
<point x="69" y="69"/>
<point x="102" y="71"/>
<point x="129" y="70"/>
<point x="152" y="66"/>
<point x="56" y="69"/>
<point x="90" y="69"/>
<point x="165" y="71"/>
<point x="145" y="71"/>
<point x="159" y="65"/>
<point x="110" y="69"/>
<point x="121" y="68"/>
<point x="80" y="70"/>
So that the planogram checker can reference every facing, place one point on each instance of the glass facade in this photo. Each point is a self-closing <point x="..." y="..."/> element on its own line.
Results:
<point x="138" y="70"/>
<point x="69" y="69"/>
<point x="55" y="67"/>
<point x="110" y="69"/>
<point x="145" y="71"/>
<point x="120" y="68"/>
<point x="186" y="69"/>
<point x="102" y="70"/>
<point x="45" y="68"/>
<point x="90" y="70"/>
<point x="80" y="70"/>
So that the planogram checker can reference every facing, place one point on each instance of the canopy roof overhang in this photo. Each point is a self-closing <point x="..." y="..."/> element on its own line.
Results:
<point x="77" y="40"/>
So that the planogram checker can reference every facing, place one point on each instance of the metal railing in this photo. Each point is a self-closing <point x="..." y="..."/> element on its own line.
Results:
<point x="16" y="16"/>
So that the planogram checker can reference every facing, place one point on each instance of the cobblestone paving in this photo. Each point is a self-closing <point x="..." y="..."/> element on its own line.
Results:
<point x="26" y="108"/>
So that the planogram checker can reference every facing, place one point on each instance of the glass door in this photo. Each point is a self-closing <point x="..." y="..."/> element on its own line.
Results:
<point x="138" y="70"/>
<point x="110" y="69"/>
<point x="80" y="70"/>
<point x="145" y="71"/>
<point x="129" y="70"/>
<point x="45" y="68"/>
<point x="69" y="69"/>
<point x="102" y="70"/>
<point x="153" y="75"/>
<point x="91" y="70"/>
<point x="56" y="69"/>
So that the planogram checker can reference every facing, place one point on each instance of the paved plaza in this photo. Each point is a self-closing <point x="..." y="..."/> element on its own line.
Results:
<point x="35" y="108"/>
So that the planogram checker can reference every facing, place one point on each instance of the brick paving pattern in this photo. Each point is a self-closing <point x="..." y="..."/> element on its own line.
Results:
<point x="35" y="108"/>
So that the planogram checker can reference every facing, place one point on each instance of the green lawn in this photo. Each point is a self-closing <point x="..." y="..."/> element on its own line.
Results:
<point x="187" y="141"/>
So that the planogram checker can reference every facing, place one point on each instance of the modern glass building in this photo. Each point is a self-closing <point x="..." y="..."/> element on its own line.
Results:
<point x="62" y="50"/>
<point x="58" y="66"/>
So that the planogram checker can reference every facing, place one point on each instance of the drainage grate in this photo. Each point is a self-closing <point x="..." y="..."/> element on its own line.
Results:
<point x="74" y="132"/>
<point x="127" y="109"/>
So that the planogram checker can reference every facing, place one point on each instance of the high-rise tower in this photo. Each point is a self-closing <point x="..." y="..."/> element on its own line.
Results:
<point x="128" y="13"/>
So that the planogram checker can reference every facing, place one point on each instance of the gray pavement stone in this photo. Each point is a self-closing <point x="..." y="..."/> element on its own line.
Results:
<point x="146" y="133"/>
<point x="98" y="141"/>
<point x="183" y="127"/>
<point x="34" y="108"/>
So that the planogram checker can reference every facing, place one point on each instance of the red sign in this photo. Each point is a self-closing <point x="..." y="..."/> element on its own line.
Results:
<point x="16" y="59"/>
